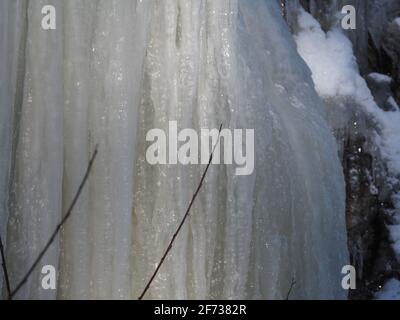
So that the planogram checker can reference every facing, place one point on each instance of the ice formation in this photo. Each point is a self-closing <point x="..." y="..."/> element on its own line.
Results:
<point x="111" y="71"/>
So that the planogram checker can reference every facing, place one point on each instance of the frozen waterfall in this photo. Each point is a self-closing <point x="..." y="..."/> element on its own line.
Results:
<point x="111" y="71"/>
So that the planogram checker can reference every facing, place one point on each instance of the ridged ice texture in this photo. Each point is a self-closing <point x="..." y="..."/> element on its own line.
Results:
<point x="115" y="69"/>
<point x="9" y="42"/>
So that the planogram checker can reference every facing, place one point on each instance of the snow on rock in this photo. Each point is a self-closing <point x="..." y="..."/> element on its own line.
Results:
<point x="378" y="77"/>
<point x="330" y="58"/>
<point x="335" y="73"/>
<point x="332" y="62"/>
<point x="397" y="21"/>
<point x="393" y="103"/>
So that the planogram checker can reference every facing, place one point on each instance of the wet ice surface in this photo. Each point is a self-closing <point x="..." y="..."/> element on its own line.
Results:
<point x="120" y="68"/>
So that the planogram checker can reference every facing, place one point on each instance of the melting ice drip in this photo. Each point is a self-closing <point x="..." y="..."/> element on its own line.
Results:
<point x="111" y="71"/>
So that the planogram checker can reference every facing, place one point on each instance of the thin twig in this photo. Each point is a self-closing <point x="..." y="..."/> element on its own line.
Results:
<point x="183" y="220"/>
<point x="59" y="226"/>
<point x="4" y="265"/>
<point x="291" y="288"/>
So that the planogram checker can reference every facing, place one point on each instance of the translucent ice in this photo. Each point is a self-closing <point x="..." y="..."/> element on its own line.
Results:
<point x="111" y="71"/>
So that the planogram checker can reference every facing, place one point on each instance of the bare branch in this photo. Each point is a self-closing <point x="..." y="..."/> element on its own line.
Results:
<point x="291" y="288"/>
<point x="4" y="265"/>
<point x="59" y="226"/>
<point x="183" y="220"/>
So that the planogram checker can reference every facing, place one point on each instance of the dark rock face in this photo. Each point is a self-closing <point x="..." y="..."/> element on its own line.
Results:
<point x="368" y="199"/>
<point x="367" y="217"/>
<point x="382" y="92"/>
<point x="369" y="187"/>
<point x="390" y="56"/>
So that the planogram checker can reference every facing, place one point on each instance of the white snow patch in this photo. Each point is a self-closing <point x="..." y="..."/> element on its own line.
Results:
<point x="390" y="291"/>
<point x="397" y="21"/>
<point x="393" y="103"/>
<point x="379" y="77"/>
<point x="331" y="60"/>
